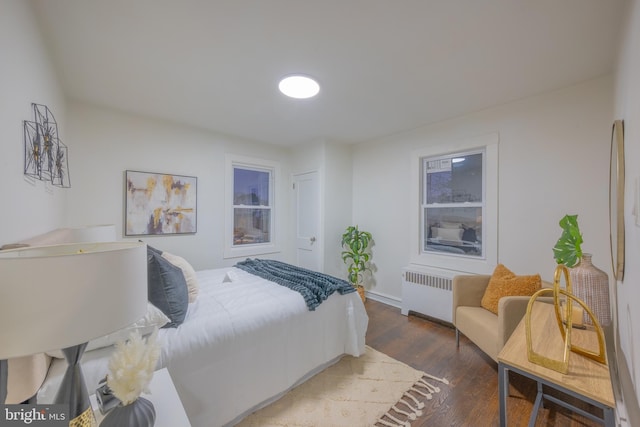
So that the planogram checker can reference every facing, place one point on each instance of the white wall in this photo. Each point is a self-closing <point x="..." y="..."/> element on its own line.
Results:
<point x="28" y="207"/>
<point x="333" y="163"/>
<point x="107" y="143"/>
<point x="338" y="178"/>
<point x="627" y="107"/>
<point x="553" y="160"/>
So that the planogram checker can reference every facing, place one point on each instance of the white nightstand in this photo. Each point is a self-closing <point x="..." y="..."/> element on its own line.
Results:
<point x="169" y="409"/>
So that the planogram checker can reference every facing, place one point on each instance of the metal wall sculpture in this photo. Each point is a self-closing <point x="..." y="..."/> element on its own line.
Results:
<point x="45" y="156"/>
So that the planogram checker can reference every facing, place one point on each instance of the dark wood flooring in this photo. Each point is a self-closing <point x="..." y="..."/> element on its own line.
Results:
<point x="471" y="399"/>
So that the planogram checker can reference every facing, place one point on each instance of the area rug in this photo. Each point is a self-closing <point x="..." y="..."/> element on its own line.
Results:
<point x="371" y="390"/>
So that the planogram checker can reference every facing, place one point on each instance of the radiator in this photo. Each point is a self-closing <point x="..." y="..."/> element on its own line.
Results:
<point x="427" y="291"/>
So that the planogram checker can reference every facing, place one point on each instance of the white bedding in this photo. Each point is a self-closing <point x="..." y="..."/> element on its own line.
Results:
<point x="243" y="343"/>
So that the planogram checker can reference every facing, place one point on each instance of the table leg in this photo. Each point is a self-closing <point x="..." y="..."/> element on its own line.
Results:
<point x="503" y="391"/>
<point x="609" y="417"/>
<point x="536" y="406"/>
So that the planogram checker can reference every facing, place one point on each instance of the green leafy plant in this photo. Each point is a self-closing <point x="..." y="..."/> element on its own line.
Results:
<point x="356" y="254"/>
<point x="568" y="248"/>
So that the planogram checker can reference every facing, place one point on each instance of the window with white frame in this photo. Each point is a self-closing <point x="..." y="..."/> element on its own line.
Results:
<point x="452" y="203"/>
<point x="251" y="205"/>
<point x="454" y="188"/>
<point x="251" y="209"/>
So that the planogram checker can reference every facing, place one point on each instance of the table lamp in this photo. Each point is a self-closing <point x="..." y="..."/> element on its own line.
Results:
<point x="62" y="296"/>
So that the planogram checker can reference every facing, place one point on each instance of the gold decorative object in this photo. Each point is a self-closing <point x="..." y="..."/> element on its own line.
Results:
<point x="565" y="324"/>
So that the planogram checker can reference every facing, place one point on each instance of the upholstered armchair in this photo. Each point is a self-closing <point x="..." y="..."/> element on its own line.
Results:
<point x="484" y="328"/>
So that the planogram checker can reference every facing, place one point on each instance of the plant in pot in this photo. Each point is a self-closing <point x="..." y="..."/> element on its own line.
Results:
<point x="568" y="248"/>
<point x="356" y="255"/>
<point x="589" y="283"/>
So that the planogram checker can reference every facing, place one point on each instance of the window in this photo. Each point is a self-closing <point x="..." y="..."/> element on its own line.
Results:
<point x="452" y="203"/>
<point x="251" y="205"/>
<point x="250" y="208"/>
<point x="456" y="194"/>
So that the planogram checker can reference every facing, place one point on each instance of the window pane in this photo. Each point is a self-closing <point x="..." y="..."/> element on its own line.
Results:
<point x="454" y="179"/>
<point x="251" y="226"/>
<point x="250" y="187"/>
<point x="453" y="230"/>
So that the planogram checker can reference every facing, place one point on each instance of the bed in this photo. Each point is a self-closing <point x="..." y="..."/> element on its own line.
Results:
<point x="244" y="342"/>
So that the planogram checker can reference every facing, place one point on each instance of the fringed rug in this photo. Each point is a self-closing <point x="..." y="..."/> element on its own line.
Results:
<point x="371" y="390"/>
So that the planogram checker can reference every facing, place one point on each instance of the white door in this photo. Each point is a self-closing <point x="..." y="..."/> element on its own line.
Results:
<point x="307" y="221"/>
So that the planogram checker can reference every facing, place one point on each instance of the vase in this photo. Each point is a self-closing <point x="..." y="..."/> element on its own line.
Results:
<point x="360" y="290"/>
<point x="591" y="285"/>
<point x="139" y="413"/>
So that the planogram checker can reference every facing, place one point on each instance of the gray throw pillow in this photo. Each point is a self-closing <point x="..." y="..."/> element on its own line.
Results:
<point x="167" y="288"/>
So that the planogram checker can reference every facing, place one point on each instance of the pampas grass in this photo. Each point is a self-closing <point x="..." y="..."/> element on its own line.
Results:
<point x="132" y="365"/>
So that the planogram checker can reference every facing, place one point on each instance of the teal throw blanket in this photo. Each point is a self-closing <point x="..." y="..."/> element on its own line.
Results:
<point x="313" y="286"/>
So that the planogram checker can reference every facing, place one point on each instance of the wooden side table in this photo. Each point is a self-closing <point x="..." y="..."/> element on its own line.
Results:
<point x="165" y="399"/>
<point x="586" y="380"/>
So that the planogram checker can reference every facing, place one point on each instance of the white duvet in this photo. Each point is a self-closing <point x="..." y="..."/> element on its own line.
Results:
<point x="244" y="342"/>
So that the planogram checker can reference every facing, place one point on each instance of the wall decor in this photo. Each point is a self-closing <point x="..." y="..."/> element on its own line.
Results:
<point x="160" y="204"/>
<point x="45" y="156"/>
<point x="616" y="199"/>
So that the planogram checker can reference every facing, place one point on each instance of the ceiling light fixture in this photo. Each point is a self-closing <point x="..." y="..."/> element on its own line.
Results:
<point x="299" y="86"/>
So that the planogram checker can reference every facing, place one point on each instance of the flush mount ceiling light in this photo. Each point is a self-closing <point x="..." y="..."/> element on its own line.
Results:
<point x="299" y="86"/>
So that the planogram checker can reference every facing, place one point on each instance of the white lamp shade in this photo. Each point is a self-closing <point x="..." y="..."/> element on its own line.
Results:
<point x="54" y="297"/>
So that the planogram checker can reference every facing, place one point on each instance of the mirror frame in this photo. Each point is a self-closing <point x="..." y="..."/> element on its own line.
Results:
<point x="616" y="199"/>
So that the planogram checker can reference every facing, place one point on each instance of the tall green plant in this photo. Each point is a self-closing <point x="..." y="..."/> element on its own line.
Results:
<point x="568" y="248"/>
<point x="356" y="255"/>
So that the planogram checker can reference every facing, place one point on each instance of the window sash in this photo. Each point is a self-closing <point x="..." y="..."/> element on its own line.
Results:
<point x="253" y="218"/>
<point x="262" y="221"/>
<point x="461" y="236"/>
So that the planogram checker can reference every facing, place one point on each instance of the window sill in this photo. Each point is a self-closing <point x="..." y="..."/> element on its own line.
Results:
<point x="245" y="251"/>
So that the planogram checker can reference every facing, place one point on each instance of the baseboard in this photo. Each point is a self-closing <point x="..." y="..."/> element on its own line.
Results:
<point x="431" y="319"/>
<point x="397" y="303"/>
<point x="628" y="410"/>
<point x="385" y="299"/>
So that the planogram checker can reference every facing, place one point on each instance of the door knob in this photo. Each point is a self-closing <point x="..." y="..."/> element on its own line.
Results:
<point x="312" y="239"/>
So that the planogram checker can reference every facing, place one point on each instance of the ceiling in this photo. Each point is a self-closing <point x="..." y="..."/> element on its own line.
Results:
<point x="384" y="66"/>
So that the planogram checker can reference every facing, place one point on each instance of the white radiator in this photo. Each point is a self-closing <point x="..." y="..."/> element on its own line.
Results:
<point x="427" y="291"/>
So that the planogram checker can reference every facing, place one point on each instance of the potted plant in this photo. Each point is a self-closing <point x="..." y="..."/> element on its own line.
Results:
<point x="356" y="255"/>
<point x="568" y="248"/>
<point x="589" y="283"/>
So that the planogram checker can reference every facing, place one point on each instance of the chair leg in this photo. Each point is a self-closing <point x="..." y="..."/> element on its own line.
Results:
<point x="457" y="338"/>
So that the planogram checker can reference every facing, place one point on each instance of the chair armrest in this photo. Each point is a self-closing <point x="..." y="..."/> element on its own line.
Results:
<point x="468" y="290"/>
<point x="511" y="311"/>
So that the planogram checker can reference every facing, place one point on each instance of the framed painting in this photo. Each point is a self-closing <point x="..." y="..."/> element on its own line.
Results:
<point x="160" y="204"/>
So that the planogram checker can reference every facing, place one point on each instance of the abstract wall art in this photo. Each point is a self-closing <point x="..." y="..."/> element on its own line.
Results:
<point x="160" y="204"/>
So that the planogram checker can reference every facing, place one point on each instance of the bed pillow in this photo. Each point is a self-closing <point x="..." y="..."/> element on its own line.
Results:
<point x="167" y="288"/>
<point x="154" y="318"/>
<point x="188" y="272"/>
<point x="456" y="225"/>
<point x="505" y="283"/>
<point x="152" y="249"/>
<point x="454" y="234"/>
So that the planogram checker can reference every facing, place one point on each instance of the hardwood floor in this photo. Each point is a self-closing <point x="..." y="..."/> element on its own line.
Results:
<point x="471" y="398"/>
